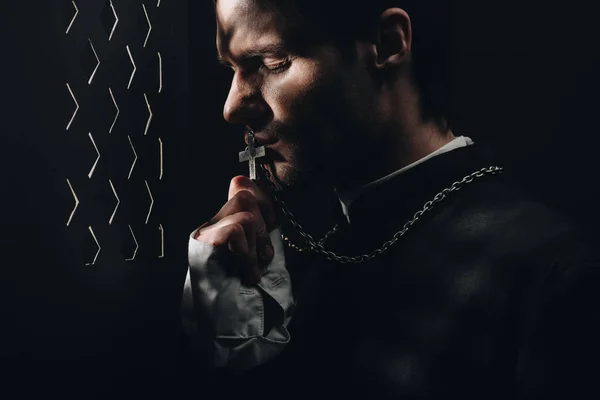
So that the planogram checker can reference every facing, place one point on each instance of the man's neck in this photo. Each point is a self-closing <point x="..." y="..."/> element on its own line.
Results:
<point x="392" y="154"/>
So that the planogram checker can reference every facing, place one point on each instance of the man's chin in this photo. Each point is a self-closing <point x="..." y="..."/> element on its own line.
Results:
<point x="288" y="179"/>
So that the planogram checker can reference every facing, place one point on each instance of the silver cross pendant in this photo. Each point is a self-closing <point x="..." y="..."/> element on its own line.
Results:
<point x="251" y="154"/>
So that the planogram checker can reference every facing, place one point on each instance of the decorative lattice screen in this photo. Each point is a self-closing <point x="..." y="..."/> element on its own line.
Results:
<point x="115" y="163"/>
<point x="94" y="244"/>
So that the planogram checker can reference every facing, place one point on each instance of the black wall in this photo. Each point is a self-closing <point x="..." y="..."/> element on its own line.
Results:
<point x="80" y="315"/>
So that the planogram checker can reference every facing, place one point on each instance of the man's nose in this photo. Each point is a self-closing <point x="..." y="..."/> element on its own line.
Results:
<point x="244" y="103"/>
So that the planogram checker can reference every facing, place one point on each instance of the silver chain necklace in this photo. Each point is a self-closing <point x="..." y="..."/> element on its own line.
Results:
<point x="317" y="247"/>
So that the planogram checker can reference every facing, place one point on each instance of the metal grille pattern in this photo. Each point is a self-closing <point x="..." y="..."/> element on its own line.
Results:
<point x="113" y="129"/>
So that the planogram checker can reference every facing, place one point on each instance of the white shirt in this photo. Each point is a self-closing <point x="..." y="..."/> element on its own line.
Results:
<point x="237" y="311"/>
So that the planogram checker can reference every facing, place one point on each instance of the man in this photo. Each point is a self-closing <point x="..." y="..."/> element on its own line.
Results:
<point x="440" y="279"/>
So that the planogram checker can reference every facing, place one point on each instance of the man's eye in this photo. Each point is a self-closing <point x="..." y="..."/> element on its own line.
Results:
<point x="277" y="67"/>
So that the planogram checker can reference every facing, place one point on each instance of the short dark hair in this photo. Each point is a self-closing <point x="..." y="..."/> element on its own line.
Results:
<point x="343" y="22"/>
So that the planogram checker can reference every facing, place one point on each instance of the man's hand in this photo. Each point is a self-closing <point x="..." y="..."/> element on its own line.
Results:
<point x="243" y="225"/>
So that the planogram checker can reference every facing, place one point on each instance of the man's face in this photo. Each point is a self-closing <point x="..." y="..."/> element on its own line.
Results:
<point x="304" y="108"/>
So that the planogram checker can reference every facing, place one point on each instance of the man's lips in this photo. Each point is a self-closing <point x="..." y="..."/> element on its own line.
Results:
<point x="270" y="144"/>
<point x="261" y="140"/>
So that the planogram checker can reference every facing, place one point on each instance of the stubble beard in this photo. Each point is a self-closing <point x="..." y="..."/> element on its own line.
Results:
<point x="299" y="173"/>
<point x="315" y="139"/>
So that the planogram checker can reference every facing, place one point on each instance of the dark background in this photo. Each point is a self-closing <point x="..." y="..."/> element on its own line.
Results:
<point x="525" y="80"/>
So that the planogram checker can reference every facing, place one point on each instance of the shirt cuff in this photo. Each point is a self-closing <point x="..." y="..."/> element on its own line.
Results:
<point x="237" y="311"/>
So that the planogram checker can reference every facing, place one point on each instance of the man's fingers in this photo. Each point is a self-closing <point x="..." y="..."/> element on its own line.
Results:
<point x="238" y="233"/>
<point x="234" y="237"/>
<point x="243" y="198"/>
<point x="243" y="183"/>
<point x="244" y="222"/>
<point x="243" y="225"/>
<point x="226" y="233"/>
<point x="245" y="201"/>
<point x="251" y="208"/>
<point x="238" y="183"/>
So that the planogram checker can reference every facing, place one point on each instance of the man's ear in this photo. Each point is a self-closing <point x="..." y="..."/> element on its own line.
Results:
<point x="394" y="39"/>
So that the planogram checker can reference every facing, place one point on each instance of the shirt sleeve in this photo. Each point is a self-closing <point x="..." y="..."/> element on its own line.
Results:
<point x="237" y="312"/>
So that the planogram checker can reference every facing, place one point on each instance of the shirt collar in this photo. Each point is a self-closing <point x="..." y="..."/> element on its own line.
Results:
<point x="348" y="196"/>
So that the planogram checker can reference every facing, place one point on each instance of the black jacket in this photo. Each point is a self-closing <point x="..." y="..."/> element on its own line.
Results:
<point x="490" y="295"/>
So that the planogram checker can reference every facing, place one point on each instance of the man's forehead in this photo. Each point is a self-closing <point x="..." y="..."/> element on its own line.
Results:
<point x="242" y="24"/>
<point x="227" y="8"/>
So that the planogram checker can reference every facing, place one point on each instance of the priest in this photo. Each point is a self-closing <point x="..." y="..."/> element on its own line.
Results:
<point x="374" y="252"/>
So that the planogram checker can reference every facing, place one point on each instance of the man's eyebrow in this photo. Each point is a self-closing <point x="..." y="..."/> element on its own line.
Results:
<point x="271" y="49"/>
